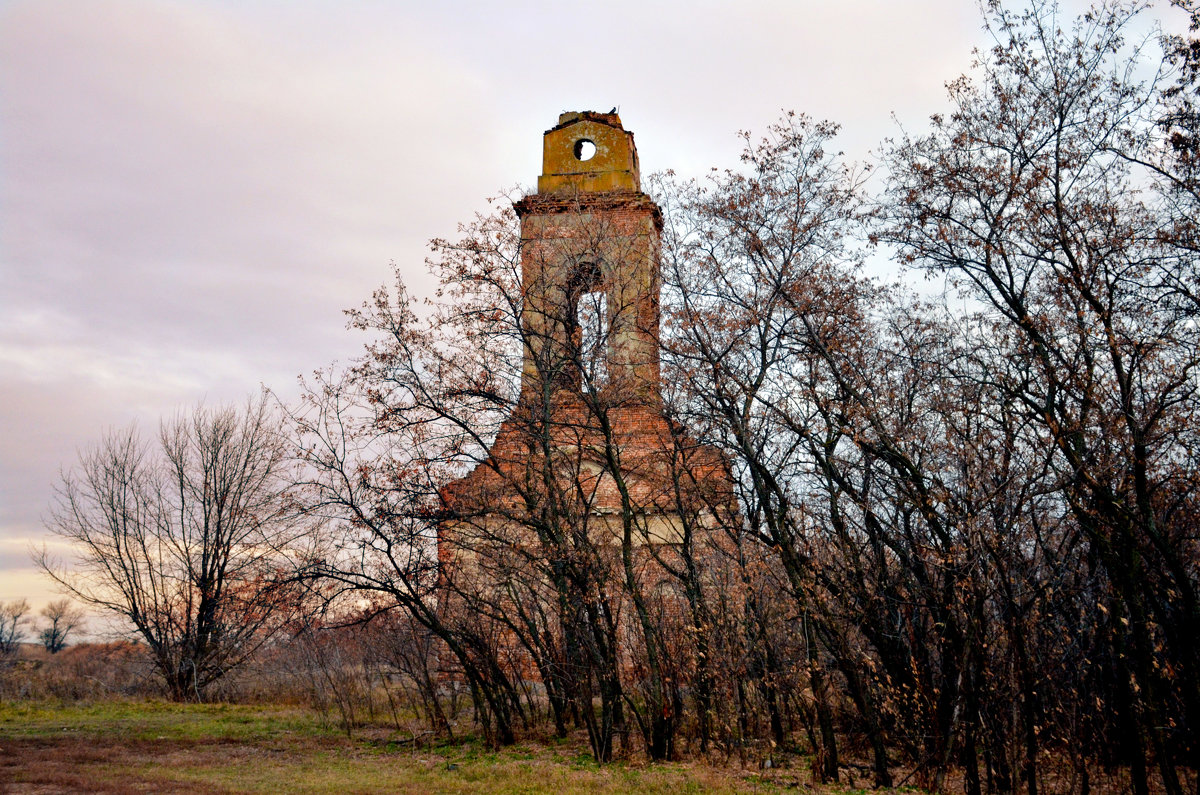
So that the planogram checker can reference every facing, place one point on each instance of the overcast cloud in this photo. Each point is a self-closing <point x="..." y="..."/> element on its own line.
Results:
<point x="190" y="193"/>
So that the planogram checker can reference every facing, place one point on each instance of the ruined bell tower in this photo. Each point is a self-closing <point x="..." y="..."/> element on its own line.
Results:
<point x="590" y="265"/>
<point x="587" y="451"/>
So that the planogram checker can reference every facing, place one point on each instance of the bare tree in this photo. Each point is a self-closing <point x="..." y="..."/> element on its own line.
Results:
<point x="183" y="538"/>
<point x="1031" y="197"/>
<point x="64" y="619"/>
<point x="14" y="616"/>
<point x="763" y="284"/>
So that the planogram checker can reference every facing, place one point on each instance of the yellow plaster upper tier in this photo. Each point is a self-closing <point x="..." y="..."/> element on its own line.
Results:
<point x="614" y="166"/>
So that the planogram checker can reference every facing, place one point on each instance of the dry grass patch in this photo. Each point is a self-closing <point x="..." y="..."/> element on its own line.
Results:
<point x="121" y="747"/>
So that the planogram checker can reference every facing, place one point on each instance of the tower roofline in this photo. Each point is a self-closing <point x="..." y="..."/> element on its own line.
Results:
<point x="571" y="117"/>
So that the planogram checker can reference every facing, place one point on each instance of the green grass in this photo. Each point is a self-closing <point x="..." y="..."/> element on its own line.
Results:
<point x="156" y="720"/>
<point x="128" y="746"/>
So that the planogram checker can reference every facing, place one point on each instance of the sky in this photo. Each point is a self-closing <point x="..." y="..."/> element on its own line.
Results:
<point x="192" y="192"/>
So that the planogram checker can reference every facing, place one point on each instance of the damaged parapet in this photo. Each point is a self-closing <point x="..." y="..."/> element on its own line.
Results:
<point x="588" y="151"/>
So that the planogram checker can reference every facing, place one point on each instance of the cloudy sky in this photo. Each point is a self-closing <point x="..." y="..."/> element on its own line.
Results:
<point x="191" y="192"/>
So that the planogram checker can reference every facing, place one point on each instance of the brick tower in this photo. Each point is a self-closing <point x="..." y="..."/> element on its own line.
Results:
<point x="587" y="452"/>
<point x="590" y="249"/>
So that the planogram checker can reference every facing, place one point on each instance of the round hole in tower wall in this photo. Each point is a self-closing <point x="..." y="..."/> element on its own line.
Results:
<point x="584" y="149"/>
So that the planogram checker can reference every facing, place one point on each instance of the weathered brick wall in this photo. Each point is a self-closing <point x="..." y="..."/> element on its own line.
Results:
<point x="617" y="234"/>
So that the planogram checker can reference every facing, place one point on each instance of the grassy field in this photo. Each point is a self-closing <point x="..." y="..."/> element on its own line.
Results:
<point x="121" y="747"/>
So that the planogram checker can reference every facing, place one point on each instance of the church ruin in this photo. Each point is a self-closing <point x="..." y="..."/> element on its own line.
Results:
<point x="590" y="400"/>
<point x="569" y="540"/>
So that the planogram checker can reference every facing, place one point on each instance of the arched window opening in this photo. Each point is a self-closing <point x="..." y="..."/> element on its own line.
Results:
<point x="587" y="324"/>
<point x="593" y="327"/>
